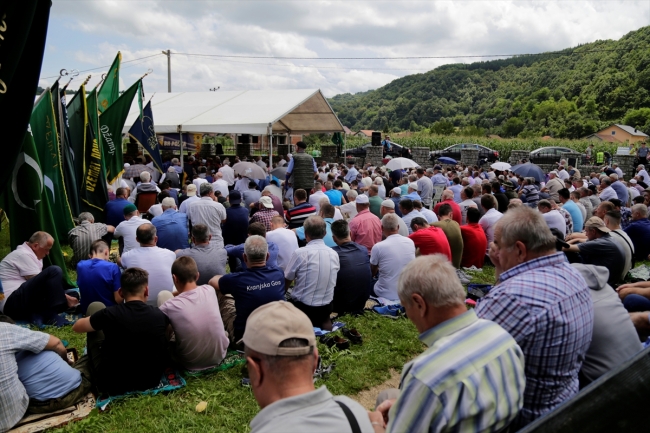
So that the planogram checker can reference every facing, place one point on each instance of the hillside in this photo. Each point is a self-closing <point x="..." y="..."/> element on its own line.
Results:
<point x="565" y="94"/>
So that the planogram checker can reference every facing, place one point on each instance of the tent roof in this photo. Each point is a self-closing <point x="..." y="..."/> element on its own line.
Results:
<point x="241" y="112"/>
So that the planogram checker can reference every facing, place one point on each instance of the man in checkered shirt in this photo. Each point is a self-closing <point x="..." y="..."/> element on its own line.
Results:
<point x="544" y="303"/>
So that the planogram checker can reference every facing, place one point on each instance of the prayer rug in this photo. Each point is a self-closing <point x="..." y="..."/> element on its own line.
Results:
<point x="69" y="317"/>
<point x="42" y="421"/>
<point x="232" y="359"/>
<point x="171" y="380"/>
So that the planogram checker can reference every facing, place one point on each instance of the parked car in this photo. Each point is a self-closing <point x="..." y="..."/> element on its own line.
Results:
<point x="484" y="153"/>
<point x="548" y="155"/>
<point x="396" y="151"/>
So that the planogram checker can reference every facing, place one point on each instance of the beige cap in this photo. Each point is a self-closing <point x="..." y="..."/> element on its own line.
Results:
<point x="272" y="323"/>
<point x="597" y="223"/>
<point x="168" y="202"/>
<point x="191" y="190"/>
<point x="266" y="202"/>
<point x="390" y="204"/>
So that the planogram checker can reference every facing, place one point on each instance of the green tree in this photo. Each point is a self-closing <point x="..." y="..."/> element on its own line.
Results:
<point x="443" y="127"/>
<point x="513" y="126"/>
<point x="639" y="119"/>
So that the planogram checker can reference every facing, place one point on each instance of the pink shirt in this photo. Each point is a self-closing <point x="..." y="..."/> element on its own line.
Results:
<point x="17" y="265"/>
<point x="365" y="229"/>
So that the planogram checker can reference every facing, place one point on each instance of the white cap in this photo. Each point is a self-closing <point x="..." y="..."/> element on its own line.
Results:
<point x="127" y="165"/>
<point x="397" y="190"/>
<point x="362" y="199"/>
<point x="168" y="202"/>
<point x="413" y="186"/>
<point x="266" y="202"/>
<point x="390" y="204"/>
<point x="191" y="190"/>
<point x="633" y="181"/>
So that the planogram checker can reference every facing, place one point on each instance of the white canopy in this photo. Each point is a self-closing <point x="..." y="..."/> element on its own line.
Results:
<point x="241" y="112"/>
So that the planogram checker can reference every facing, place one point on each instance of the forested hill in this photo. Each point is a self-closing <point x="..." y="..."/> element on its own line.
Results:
<point x="570" y="93"/>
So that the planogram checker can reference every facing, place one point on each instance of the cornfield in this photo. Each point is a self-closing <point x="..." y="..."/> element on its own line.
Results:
<point x="503" y="146"/>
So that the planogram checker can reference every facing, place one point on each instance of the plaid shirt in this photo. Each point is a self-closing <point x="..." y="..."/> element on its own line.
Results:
<point x="264" y="216"/>
<point x="568" y="219"/>
<point x="546" y="306"/>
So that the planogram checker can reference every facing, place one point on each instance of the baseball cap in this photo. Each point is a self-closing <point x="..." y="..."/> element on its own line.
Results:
<point x="397" y="190"/>
<point x="129" y="208"/>
<point x="266" y="202"/>
<point x="390" y="204"/>
<point x="362" y="199"/>
<point x="234" y="197"/>
<point x="271" y="324"/>
<point x="437" y="167"/>
<point x="413" y="185"/>
<point x="168" y="202"/>
<point x="597" y="223"/>
<point x="191" y="190"/>
<point x="554" y="172"/>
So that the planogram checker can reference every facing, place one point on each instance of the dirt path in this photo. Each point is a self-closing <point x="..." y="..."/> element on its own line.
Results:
<point x="368" y="397"/>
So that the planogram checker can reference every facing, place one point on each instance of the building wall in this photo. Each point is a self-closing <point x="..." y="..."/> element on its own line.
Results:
<point x="621" y="135"/>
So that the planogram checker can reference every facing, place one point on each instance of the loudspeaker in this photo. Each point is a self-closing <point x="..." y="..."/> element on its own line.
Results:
<point x="572" y="162"/>
<point x="376" y="139"/>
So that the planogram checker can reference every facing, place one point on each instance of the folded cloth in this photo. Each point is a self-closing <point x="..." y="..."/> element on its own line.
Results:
<point x="335" y="327"/>
<point x="232" y="359"/>
<point x="171" y="380"/>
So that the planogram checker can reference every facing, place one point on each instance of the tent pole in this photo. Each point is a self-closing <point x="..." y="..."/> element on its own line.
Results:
<point x="270" y="147"/>
<point x="180" y="146"/>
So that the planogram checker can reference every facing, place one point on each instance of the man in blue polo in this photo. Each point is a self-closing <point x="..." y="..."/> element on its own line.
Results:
<point x="171" y="227"/>
<point x="115" y="208"/>
<point x="569" y="206"/>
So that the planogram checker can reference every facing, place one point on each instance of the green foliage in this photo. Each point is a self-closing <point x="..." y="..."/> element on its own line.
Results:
<point x="566" y="94"/>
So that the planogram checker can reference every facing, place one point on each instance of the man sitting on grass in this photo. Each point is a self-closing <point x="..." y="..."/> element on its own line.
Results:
<point x="471" y="377"/>
<point x="281" y="356"/>
<point x="98" y="278"/>
<point x="127" y="343"/>
<point x="210" y="260"/>
<point x="201" y="341"/>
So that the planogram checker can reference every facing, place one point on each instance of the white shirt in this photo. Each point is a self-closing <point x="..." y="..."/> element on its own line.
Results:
<point x="275" y="190"/>
<point x="488" y="221"/>
<point x="158" y="262"/>
<point x="18" y="264"/>
<point x="464" y="205"/>
<point x="619" y="172"/>
<point x="242" y="184"/>
<point x="607" y="194"/>
<point x="382" y="191"/>
<point x="429" y="215"/>
<point x="287" y="243"/>
<point x="282" y="163"/>
<point x="315" y="198"/>
<point x="563" y="174"/>
<point x="155" y="176"/>
<point x="337" y="214"/>
<point x="228" y="174"/>
<point x="197" y="182"/>
<point x="633" y="193"/>
<point x="126" y="230"/>
<point x="222" y="186"/>
<point x="391" y="255"/>
<point x="211" y="213"/>
<point x="555" y="220"/>
<point x="155" y="210"/>
<point x="183" y="207"/>
<point x="350" y="209"/>
<point x="314" y="268"/>
<point x="403" y="230"/>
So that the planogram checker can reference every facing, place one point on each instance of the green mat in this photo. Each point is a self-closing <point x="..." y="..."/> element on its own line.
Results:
<point x="232" y="359"/>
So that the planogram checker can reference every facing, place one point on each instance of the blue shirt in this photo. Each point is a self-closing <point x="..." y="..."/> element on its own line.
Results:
<point x="335" y="196"/>
<point x="621" y="192"/>
<point x="46" y="375"/>
<point x="235" y="229"/>
<point x="352" y="288"/>
<point x="173" y="193"/>
<point x="115" y="211"/>
<point x="252" y="288"/>
<point x="576" y="215"/>
<point x="329" y="241"/>
<point x="238" y="252"/>
<point x="171" y="229"/>
<point x="639" y="232"/>
<point x="98" y="280"/>
<point x="439" y="179"/>
<point x="352" y="174"/>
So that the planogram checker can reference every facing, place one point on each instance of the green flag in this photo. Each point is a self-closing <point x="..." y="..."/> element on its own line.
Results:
<point x="110" y="90"/>
<point x="43" y="125"/>
<point x="93" y="191"/>
<point x="28" y="204"/>
<point x="77" y="121"/>
<point x="111" y="123"/>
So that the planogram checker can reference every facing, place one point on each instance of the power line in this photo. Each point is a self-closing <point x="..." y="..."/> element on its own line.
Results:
<point x="107" y="66"/>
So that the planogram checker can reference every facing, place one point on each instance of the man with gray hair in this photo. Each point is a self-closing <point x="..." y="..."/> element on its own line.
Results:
<point x="209" y="259"/>
<point x="31" y="293"/>
<point x="207" y="210"/>
<point x="145" y="185"/>
<point x="388" y="258"/>
<point x="82" y="237"/>
<point x="349" y="210"/>
<point x="255" y="286"/>
<point x="171" y="227"/>
<point x="314" y="269"/>
<point x="438" y="387"/>
<point x="281" y="356"/>
<point x="539" y="298"/>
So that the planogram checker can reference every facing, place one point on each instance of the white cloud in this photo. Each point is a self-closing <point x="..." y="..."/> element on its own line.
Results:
<point x="84" y="35"/>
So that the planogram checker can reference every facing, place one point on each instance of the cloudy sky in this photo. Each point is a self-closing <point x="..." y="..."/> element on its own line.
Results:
<point x="86" y="34"/>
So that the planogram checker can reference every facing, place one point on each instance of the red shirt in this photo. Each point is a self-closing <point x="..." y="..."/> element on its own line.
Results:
<point x="475" y="243"/>
<point x="365" y="229"/>
<point x="431" y="240"/>
<point x="457" y="215"/>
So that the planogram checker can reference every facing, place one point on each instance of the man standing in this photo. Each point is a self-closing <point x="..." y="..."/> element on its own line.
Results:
<point x="210" y="212"/>
<point x="438" y="179"/>
<point x="539" y="298"/>
<point x="228" y="174"/>
<point x="642" y="154"/>
<point x="444" y="389"/>
<point x="314" y="268"/>
<point x="171" y="227"/>
<point x="209" y="259"/>
<point x="425" y="188"/>
<point x="353" y="280"/>
<point x="83" y="236"/>
<point x="365" y="228"/>
<point x="388" y="258"/>
<point x="31" y="293"/>
<point x="301" y="169"/>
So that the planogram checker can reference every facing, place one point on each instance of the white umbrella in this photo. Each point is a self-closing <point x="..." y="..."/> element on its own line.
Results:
<point x="501" y="166"/>
<point x="400" y="163"/>
<point x="249" y="170"/>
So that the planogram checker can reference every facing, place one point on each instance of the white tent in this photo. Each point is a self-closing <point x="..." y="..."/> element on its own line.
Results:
<point x="241" y="112"/>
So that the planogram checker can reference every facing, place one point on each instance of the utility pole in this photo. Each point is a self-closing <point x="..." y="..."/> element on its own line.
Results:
<point x="168" y="53"/>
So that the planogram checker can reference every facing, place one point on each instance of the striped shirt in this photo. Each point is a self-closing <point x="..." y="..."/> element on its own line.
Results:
<point x="297" y="215"/>
<point x="314" y="268"/>
<point x="546" y="306"/>
<point x="82" y="237"/>
<point x="470" y="379"/>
